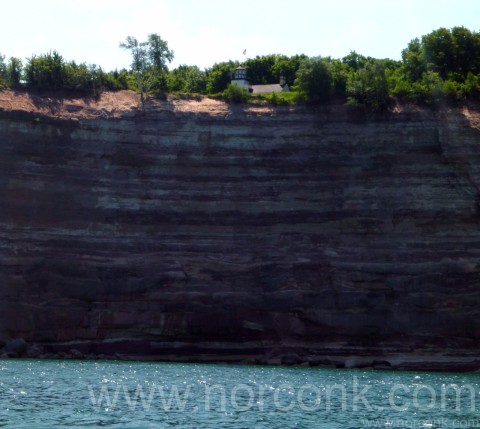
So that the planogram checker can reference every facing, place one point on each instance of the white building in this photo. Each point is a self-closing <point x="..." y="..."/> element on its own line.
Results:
<point x="240" y="78"/>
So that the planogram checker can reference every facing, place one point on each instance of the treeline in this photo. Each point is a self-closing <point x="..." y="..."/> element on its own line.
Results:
<point x="52" y="72"/>
<point x="443" y="65"/>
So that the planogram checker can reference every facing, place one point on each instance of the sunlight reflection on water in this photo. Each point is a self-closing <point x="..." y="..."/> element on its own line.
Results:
<point x="48" y="394"/>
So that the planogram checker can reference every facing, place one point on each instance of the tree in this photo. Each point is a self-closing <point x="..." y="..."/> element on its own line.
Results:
<point x="355" y="61"/>
<point x="115" y="80"/>
<point x="287" y="68"/>
<point x="414" y="61"/>
<point x="466" y="51"/>
<point x="472" y="86"/>
<point x="314" y="79"/>
<point x="14" y="72"/>
<point x="149" y="61"/>
<point x="369" y="86"/>
<point x="3" y="71"/>
<point x="260" y="69"/>
<point x="220" y="76"/>
<point x="187" y="79"/>
<point x="45" y="71"/>
<point x="340" y="71"/>
<point x="431" y="88"/>
<point x="439" y="51"/>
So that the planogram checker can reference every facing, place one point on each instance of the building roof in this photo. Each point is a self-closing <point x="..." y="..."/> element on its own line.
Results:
<point x="263" y="89"/>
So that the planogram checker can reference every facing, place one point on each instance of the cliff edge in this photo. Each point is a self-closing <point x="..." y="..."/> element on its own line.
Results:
<point x="201" y="231"/>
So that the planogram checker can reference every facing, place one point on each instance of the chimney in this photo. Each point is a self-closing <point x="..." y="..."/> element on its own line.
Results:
<point x="283" y="81"/>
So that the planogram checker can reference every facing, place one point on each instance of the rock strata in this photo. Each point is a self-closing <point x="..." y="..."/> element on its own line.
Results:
<point x="282" y="235"/>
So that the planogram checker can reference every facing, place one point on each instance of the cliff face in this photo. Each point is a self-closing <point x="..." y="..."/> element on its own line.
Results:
<point x="275" y="236"/>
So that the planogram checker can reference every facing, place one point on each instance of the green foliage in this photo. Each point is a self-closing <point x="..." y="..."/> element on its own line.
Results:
<point x="45" y="71"/>
<point x="414" y="61"/>
<point x="472" y="86"/>
<point x="340" y="72"/>
<point x="268" y="69"/>
<point x="83" y="78"/>
<point x="314" y="79"/>
<point x="149" y="62"/>
<point x="438" y="51"/>
<point x="187" y="79"/>
<point x="466" y="51"/>
<point x="236" y="94"/>
<point x="116" y="80"/>
<point x="453" y="90"/>
<point x="286" y="98"/>
<point x="400" y="86"/>
<point x="260" y="69"/>
<point x="158" y="53"/>
<point x="440" y="67"/>
<point x="3" y="71"/>
<point x="52" y="72"/>
<point x="430" y="89"/>
<point x="355" y="61"/>
<point x="452" y="53"/>
<point x="368" y="86"/>
<point x="220" y="76"/>
<point x="14" y="72"/>
<point x="287" y="68"/>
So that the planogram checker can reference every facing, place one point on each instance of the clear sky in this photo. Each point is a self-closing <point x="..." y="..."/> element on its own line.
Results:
<point x="202" y="32"/>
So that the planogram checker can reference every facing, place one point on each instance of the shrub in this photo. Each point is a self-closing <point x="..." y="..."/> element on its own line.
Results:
<point x="236" y="94"/>
<point x="453" y="91"/>
<point x="472" y="86"/>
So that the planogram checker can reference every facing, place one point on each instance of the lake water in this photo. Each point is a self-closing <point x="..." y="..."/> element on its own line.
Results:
<point x="51" y="394"/>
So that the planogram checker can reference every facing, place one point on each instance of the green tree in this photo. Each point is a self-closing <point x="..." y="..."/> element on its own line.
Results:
<point x="369" y="86"/>
<point x="431" y="88"/>
<point x="220" y="76"/>
<point x="96" y="78"/>
<point x="45" y="71"/>
<point x="439" y="53"/>
<point x="340" y="72"/>
<point x="355" y="61"/>
<point x="287" y="67"/>
<point x="77" y="77"/>
<point x="472" y="86"/>
<point x="450" y="53"/>
<point x="149" y="61"/>
<point x="187" y="79"/>
<point x="260" y="70"/>
<point x="314" y="79"/>
<point x="414" y="64"/>
<point x="118" y="79"/>
<point x="14" y="72"/>
<point x="466" y="45"/>
<point x="3" y="71"/>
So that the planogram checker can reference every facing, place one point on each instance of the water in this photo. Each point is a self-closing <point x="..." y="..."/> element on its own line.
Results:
<point x="85" y="394"/>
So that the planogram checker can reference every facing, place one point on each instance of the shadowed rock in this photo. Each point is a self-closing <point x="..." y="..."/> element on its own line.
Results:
<point x="300" y="236"/>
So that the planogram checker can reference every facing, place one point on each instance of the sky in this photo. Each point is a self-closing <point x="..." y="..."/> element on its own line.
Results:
<point x="203" y="32"/>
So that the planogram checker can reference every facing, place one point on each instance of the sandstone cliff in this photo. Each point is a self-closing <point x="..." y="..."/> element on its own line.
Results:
<point x="216" y="233"/>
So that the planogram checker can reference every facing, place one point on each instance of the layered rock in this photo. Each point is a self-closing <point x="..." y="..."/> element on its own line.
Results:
<point x="284" y="235"/>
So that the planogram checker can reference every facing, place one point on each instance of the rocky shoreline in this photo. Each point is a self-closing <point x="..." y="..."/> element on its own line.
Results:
<point x="359" y="359"/>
